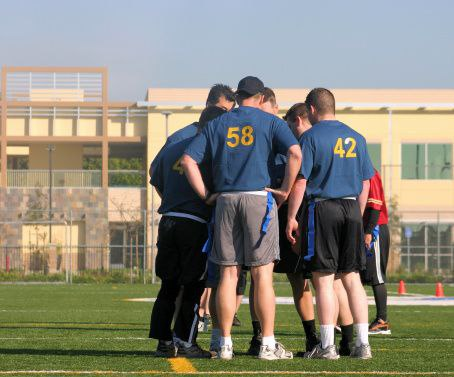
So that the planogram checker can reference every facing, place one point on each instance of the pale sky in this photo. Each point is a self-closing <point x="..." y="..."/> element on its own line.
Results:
<point x="196" y="43"/>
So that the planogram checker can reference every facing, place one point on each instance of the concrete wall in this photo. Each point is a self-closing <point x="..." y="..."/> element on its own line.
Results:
<point x="65" y="156"/>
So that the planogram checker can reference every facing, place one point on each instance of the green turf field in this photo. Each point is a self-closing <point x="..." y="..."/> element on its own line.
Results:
<point x="60" y="329"/>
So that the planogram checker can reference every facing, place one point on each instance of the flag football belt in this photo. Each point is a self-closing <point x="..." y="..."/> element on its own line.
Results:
<point x="185" y="216"/>
<point x="375" y="234"/>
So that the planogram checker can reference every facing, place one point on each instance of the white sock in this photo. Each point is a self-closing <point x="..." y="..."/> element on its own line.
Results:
<point x="226" y="341"/>
<point x="327" y="335"/>
<point x="269" y="341"/>
<point x="362" y="334"/>
<point x="215" y="335"/>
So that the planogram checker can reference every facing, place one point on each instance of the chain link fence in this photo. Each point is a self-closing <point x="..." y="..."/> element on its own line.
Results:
<point x="120" y="245"/>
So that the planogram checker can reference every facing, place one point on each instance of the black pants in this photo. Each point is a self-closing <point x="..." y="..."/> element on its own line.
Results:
<point x="179" y="263"/>
<point x="164" y="308"/>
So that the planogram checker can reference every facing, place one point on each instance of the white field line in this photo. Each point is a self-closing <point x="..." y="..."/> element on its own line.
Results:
<point x="248" y="372"/>
<point x="392" y="300"/>
<point x="202" y="337"/>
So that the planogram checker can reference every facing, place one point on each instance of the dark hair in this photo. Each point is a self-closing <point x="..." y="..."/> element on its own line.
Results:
<point x="297" y="110"/>
<point x="209" y="113"/>
<point x="217" y="91"/>
<point x="269" y="96"/>
<point x="323" y="101"/>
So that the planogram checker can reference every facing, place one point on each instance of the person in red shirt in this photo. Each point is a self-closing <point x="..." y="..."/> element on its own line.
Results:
<point x="377" y="240"/>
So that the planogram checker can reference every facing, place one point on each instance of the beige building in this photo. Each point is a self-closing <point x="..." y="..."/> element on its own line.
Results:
<point x="72" y="170"/>
<point x="58" y="122"/>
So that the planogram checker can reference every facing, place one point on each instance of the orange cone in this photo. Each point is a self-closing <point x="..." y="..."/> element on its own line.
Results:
<point x="402" y="289"/>
<point x="439" y="290"/>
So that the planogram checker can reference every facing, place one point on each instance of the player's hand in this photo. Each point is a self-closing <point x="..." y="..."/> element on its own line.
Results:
<point x="292" y="231"/>
<point x="296" y="248"/>
<point x="279" y="195"/>
<point x="368" y="240"/>
<point x="211" y="200"/>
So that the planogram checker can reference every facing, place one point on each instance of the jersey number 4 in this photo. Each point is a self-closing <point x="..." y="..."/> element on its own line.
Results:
<point x="339" y="148"/>
<point x="246" y="138"/>
<point x="177" y="166"/>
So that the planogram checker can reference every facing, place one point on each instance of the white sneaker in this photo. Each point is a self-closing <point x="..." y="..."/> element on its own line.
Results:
<point x="201" y="326"/>
<point x="225" y="353"/>
<point x="362" y="352"/>
<point x="274" y="354"/>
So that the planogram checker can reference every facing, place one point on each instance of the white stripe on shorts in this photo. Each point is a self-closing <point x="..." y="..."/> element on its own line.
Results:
<point x="377" y="260"/>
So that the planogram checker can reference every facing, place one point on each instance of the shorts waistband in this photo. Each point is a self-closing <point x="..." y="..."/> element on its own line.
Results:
<point x="316" y="200"/>
<point x="261" y="193"/>
<point x="185" y="216"/>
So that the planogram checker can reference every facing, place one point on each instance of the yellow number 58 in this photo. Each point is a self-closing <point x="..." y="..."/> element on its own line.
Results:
<point x="247" y="137"/>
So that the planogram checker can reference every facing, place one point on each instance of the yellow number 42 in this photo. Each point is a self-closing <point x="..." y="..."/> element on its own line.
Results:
<point x="247" y="137"/>
<point x="339" y="147"/>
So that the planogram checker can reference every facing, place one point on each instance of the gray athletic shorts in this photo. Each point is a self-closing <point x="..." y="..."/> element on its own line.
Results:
<point x="238" y="237"/>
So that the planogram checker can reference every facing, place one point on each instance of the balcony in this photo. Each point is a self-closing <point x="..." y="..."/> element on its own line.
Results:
<point x="74" y="178"/>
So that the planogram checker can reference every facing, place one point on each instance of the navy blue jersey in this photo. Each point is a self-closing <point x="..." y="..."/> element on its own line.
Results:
<point x="169" y="178"/>
<point x="240" y="146"/>
<point x="277" y="170"/>
<point x="335" y="161"/>
<point x="185" y="133"/>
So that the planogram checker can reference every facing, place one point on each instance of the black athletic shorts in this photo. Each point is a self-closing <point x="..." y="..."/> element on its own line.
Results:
<point x="290" y="262"/>
<point x="332" y="239"/>
<point x="180" y="243"/>
<point x="377" y="259"/>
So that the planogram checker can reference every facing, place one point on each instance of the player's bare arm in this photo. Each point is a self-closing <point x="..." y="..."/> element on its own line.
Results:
<point x="291" y="171"/>
<point x="294" y="202"/>
<point x="362" y="199"/>
<point x="194" y="176"/>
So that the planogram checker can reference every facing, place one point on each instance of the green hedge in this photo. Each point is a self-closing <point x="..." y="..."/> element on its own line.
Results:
<point x="106" y="277"/>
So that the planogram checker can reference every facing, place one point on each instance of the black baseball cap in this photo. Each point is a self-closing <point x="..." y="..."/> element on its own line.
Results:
<point x="250" y="85"/>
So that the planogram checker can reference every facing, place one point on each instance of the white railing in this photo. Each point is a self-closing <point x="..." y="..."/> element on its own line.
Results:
<point x="54" y="86"/>
<point x="75" y="178"/>
<point x="60" y="178"/>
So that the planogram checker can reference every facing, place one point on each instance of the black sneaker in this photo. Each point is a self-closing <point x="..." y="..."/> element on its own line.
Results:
<point x="236" y="321"/>
<point x="193" y="352"/>
<point x="165" y="349"/>
<point x="254" y="346"/>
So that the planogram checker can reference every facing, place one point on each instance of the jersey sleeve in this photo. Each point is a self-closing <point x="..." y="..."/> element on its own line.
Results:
<point x="307" y="162"/>
<point x="197" y="150"/>
<point x="374" y="200"/>
<point x="283" y="138"/>
<point x="157" y="178"/>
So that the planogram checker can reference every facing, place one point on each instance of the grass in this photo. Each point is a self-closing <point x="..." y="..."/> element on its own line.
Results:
<point x="91" y="327"/>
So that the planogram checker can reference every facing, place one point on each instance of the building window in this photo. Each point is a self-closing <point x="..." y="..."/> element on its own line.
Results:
<point x="427" y="246"/>
<point x="17" y="162"/>
<point x="426" y="161"/>
<point x="375" y="155"/>
<point x="126" y="245"/>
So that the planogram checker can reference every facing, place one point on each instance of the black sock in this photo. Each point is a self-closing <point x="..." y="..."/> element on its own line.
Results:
<point x="347" y="334"/>
<point x="381" y="296"/>
<point x="257" y="328"/>
<point x="310" y="330"/>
